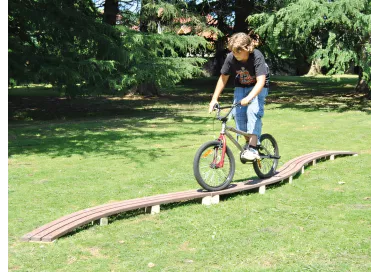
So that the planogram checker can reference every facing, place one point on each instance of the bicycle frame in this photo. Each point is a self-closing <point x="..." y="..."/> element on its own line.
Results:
<point x="211" y="170"/>
<point x="224" y="132"/>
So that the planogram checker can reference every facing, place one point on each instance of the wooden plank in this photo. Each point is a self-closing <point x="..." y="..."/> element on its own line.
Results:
<point x="69" y="225"/>
<point x="285" y="171"/>
<point x="65" y="224"/>
<point x="97" y="211"/>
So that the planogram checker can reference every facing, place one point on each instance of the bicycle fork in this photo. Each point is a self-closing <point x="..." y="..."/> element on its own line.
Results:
<point x="222" y="139"/>
<point x="215" y="163"/>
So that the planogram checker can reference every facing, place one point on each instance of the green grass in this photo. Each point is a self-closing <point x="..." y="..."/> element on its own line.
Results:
<point x="88" y="152"/>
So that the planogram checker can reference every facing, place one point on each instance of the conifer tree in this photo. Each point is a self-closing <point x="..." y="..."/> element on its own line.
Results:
<point x="68" y="44"/>
<point x="168" y="51"/>
<point x="64" y="43"/>
<point x="332" y="34"/>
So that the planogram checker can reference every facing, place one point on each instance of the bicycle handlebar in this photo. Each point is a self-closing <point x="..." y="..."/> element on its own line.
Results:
<point x="217" y="107"/>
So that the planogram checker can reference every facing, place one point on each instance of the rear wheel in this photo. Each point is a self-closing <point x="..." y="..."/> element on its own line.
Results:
<point x="269" y="153"/>
<point x="207" y="166"/>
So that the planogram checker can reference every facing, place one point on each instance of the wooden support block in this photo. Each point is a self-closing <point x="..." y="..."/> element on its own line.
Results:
<point x="209" y="200"/>
<point x="206" y="200"/>
<point x="215" y="199"/>
<point x="103" y="221"/>
<point x="355" y="155"/>
<point x="291" y="179"/>
<point x="153" y="209"/>
<point x="314" y="162"/>
<point x="262" y="190"/>
<point x="303" y="170"/>
<point x="332" y="157"/>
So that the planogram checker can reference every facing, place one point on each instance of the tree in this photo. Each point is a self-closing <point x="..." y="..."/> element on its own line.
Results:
<point x="154" y="59"/>
<point x="68" y="44"/>
<point x="164" y="17"/>
<point x="231" y="17"/>
<point x="243" y="8"/>
<point x="332" y="34"/>
<point x="62" y="42"/>
<point x="111" y="9"/>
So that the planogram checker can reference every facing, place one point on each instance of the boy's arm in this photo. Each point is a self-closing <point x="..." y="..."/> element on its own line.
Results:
<point x="222" y="82"/>
<point x="260" y="82"/>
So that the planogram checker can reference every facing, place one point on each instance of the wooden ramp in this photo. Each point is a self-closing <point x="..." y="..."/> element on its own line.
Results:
<point x="66" y="224"/>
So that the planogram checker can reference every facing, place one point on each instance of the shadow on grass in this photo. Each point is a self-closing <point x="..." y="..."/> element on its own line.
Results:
<point x="300" y="93"/>
<point x="108" y="136"/>
<point x="107" y="124"/>
<point x="318" y="94"/>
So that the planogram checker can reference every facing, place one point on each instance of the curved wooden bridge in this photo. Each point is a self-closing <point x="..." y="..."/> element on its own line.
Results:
<point x="66" y="224"/>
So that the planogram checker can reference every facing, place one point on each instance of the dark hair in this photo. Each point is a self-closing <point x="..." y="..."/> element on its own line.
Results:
<point x="253" y="36"/>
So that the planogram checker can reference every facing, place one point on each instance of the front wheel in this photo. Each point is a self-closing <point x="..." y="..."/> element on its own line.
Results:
<point x="266" y="166"/>
<point x="209" y="170"/>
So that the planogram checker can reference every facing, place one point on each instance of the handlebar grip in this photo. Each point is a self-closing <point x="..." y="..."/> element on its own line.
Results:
<point x="216" y="106"/>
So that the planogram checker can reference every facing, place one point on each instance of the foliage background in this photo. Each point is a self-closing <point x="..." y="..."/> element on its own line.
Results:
<point x="82" y="50"/>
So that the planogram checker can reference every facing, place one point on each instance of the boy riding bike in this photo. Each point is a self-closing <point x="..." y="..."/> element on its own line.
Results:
<point x="251" y="73"/>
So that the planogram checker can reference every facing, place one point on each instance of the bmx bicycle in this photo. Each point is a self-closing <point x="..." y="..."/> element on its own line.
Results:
<point x="214" y="162"/>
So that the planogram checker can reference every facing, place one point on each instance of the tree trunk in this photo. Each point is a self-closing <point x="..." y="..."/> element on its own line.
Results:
<point x="243" y="8"/>
<point x="220" y="54"/>
<point x="315" y="68"/>
<point x="148" y="89"/>
<point x="362" y="85"/>
<point x="220" y="43"/>
<point x="111" y="9"/>
<point x="143" y="23"/>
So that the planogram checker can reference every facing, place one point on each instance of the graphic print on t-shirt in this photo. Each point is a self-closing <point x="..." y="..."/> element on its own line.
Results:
<point x="244" y="77"/>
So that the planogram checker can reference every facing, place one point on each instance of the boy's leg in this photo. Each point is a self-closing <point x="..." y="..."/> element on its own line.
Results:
<point x="255" y="112"/>
<point x="240" y="111"/>
<point x="253" y="141"/>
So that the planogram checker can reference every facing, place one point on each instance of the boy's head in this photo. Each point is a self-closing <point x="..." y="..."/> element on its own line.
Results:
<point x="241" y="42"/>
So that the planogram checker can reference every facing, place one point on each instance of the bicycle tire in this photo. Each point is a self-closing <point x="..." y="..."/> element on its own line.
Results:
<point x="266" y="167"/>
<point x="208" y="176"/>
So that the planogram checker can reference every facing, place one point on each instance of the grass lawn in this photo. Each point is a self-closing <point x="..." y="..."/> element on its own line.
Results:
<point x="65" y="156"/>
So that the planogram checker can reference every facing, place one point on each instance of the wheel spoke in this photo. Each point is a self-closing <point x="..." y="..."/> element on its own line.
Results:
<point x="208" y="175"/>
<point x="268" y="164"/>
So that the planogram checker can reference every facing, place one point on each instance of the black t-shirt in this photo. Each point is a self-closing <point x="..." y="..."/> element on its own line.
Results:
<point x="246" y="72"/>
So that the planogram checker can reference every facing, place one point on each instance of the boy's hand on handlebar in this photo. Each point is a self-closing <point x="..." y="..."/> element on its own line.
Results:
<point x="212" y="105"/>
<point x="245" y="101"/>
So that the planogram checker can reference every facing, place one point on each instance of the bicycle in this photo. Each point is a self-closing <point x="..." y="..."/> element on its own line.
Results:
<point x="214" y="162"/>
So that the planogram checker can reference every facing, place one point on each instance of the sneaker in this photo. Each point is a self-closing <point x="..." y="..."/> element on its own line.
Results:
<point x="250" y="154"/>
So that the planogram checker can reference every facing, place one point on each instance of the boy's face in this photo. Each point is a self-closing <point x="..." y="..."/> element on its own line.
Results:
<point x="241" y="54"/>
